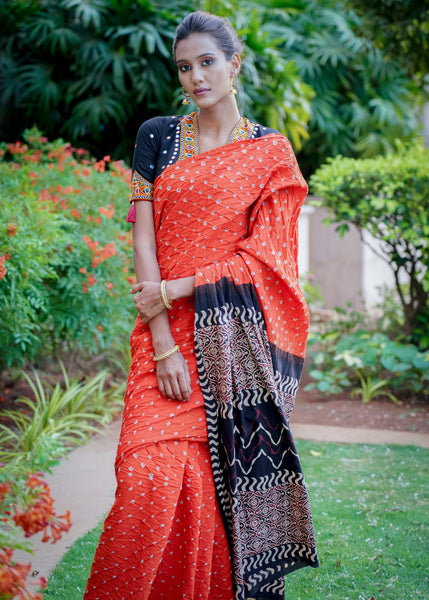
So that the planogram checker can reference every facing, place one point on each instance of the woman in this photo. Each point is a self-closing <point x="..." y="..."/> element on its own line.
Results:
<point x="211" y="501"/>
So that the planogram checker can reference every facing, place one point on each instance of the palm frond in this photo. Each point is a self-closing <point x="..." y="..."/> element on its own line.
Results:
<point x="91" y="13"/>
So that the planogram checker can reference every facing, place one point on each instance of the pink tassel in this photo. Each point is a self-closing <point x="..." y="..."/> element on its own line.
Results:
<point x="131" y="214"/>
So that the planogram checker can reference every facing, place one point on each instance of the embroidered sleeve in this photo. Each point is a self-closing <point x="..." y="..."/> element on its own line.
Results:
<point x="145" y="159"/>
<point x="141" y="188"/>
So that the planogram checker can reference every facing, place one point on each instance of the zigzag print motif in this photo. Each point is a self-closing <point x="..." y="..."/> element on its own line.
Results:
<point x="249" y="389"/>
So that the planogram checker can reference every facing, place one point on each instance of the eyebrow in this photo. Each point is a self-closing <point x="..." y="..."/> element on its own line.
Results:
<point x="183" y="60"/>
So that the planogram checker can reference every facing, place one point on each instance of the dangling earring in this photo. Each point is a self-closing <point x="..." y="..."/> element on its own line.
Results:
<point x="186" y="97"/>
<point x="232" y="90"/>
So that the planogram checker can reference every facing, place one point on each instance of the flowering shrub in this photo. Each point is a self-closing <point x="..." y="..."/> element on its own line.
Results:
<point x="26" y="504"/>
<point x="64" y="249"/>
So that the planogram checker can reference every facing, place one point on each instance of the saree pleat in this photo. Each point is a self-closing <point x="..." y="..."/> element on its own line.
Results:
<point x="229" y="217"/>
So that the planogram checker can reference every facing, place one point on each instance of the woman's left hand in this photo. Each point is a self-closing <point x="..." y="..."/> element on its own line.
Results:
<point x="147" y="299"/>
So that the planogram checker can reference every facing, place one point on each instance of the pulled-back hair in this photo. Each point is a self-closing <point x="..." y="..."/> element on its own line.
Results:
<point x="219" y="28"/>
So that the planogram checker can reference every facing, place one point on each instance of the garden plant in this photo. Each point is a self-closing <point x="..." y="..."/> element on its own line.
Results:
<point x="64" y="251"/>
<point x="388" y="198"/>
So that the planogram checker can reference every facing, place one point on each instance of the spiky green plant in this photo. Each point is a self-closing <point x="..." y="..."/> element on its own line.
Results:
<point x="57" y="416"/>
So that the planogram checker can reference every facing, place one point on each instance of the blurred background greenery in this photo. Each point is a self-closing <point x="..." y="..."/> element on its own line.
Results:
<point x="334" y="76"/>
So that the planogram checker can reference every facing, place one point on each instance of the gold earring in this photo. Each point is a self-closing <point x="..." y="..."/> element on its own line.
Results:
<point x="232" y="90"/>
<point x="186" y="97"/>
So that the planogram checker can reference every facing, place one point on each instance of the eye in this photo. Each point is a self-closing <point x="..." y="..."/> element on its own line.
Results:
<point x="207" y="62"/>
<point x="184" y="68"/>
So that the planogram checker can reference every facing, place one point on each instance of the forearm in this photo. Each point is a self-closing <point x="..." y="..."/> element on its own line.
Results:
<point x="180" y="288"/>
<point x="147" y="269"/>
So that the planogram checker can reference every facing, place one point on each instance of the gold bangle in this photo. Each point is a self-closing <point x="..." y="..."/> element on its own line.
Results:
<point x="164" y="294"/>
<point x="167" y="354"/>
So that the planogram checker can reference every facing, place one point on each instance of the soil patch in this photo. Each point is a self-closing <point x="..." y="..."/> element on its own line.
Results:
<point x="342" y="410"/>
<point x="311" y="407"/>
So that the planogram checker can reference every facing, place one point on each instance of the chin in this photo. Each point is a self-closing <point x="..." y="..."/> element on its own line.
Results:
<point x="207" y="103"/>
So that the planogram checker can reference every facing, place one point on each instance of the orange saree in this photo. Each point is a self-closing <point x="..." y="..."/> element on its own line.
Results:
<point x="229" y="217"/>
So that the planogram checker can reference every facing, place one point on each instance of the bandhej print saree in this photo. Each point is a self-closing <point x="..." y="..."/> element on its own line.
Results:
<point x="230" y="217"/>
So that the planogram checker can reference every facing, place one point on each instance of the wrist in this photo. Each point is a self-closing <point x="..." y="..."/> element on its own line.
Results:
<point x="180" y="288"/>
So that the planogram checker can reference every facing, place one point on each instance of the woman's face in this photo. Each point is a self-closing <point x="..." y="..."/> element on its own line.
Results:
<point x="204" y="71"/>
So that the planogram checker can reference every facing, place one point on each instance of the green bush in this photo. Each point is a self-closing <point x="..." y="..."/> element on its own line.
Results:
<point x="64" y="251"/>
<point x="387" y="197"/>
<point x="350" y="354"/>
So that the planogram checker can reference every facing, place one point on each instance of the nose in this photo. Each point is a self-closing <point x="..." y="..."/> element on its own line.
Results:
<point x="197" y="75"/>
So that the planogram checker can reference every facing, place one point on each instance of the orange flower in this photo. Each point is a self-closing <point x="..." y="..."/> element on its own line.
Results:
<point x="36" y="156"/>
<point x="100" y="166"/>
<point x="91" y="280"/>
<point x="109" y="285"/>
<point x="82" y="270"/>
<point x="13" y="578"/>
<point x="85" y="287"/>
<point x="108" y="212"/>
<point x="75" y="213"/>
<point x="63" y="203"/>
<point x="12" y="229"/>
<point x="17" y="148"/>
<point x="33" y="174"/>
<point x="97" y="220"/>
<point x="100" y="327"/>
<point x="39" y="514"/>
<point x="77" y="191"/>
<point x="132" y="279"/>
<point x="86" y="172"/>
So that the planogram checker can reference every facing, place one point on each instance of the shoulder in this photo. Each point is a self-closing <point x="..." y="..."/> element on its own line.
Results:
<point x="261" y="131"/>
<point x="156" y="127"/>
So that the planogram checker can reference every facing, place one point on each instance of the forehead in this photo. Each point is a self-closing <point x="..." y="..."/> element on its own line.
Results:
<point x="196" y="44"/>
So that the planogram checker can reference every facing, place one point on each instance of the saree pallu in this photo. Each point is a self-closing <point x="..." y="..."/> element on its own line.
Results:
<point x="228" y="216"/>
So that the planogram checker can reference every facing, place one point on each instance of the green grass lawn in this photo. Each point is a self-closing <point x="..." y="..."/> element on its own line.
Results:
<point x="371" y="514"/>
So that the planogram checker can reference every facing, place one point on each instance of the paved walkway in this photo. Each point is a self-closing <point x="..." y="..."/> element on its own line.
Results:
<point x="84" y="483"/>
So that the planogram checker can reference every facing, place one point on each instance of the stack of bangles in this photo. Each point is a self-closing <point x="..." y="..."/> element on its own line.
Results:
<point x="167" y="354"/>
<point x="164" y="295"/>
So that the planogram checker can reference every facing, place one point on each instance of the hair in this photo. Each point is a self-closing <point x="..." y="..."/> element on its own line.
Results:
<point x="218" y="27"/>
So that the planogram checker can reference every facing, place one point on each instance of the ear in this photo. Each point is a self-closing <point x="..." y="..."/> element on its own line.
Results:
<point x="236" y="64"/>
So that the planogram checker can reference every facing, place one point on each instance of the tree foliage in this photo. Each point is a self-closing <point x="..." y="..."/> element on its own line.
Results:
<point x="388" y="197"/>
<point x="363" y="101"/>
<point x="92" y="70"/>
<point x="400" y="29"/>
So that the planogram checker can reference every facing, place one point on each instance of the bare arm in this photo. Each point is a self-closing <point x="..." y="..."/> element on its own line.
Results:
<point x="172" y="372"/>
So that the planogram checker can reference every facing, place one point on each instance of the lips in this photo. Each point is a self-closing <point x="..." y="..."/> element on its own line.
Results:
<point x="200" y="91"/>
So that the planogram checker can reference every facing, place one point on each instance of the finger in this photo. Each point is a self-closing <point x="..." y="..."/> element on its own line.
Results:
<point x="176" y="389"/>
<point x="168" y="392"/>
<point x="184" y="387"/>
<point x="137" y="287"/>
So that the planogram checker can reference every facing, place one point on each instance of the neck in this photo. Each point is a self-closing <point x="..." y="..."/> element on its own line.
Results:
<point x="218" y="119"/>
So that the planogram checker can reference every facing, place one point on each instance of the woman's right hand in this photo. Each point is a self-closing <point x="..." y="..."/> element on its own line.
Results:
<point x="174" y="380"/>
